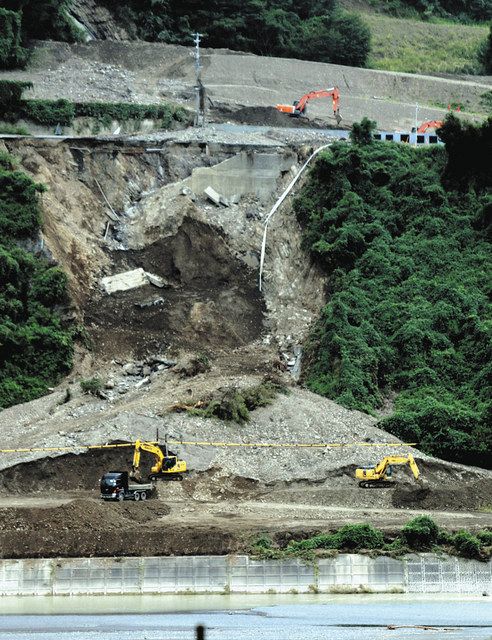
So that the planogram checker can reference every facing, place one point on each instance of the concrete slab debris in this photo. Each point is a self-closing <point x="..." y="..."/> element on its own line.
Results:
<point x="157" y="281"/>
<point x="124" y="281"/>
<point x="131" y="280"/>
<point x="212" y="195"/>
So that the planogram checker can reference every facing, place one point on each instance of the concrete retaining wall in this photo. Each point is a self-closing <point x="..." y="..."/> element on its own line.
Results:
<point x="424" y="573"/>
<point x="246" y="173"/>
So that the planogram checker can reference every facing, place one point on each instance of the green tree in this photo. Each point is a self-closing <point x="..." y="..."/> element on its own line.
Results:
<point x="362" y="132"/>
<point x="12" y="53"/>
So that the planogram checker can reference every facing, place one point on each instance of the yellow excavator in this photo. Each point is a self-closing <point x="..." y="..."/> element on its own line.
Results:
<point x="380" y="476"/>
<point x="167" y="464"/>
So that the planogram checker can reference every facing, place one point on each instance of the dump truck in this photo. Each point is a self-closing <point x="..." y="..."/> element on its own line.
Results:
<point x="115" y="485"/>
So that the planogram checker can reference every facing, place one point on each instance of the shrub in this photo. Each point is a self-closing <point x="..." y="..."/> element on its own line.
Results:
<point x="466" y="544"/>
<point x="49" y="287"/>
<point x="361" y="132"/>
<point x="48" y="112"/>
<point x="420" y="533"/>
<point x="485" y="537"/>
<point x="11" y="94"/>
<point x="91" y="386"/>
<point x="19" y="209"/>
<point x="35" y="350"/>
<point x="320" y="541"/>
<point x="63" y="112"/>
<point x="359" y="536"/>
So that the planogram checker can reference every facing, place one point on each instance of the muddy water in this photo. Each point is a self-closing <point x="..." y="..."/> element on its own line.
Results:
<point x="245" y="617"/>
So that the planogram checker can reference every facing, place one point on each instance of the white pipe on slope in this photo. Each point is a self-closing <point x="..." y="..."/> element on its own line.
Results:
<point x="277" y="205"/>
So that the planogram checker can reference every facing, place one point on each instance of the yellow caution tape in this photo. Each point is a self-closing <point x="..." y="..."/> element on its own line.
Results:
<point x="74" y="448"/>
<point x="311" y="445"/>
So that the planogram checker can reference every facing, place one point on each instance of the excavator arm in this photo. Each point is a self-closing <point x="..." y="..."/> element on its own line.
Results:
<point x="299" y="106"/>
<point x="167" y="465"/>
<point x="430" y="124"/>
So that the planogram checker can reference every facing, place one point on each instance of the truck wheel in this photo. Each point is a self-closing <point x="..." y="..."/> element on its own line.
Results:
<point x="143" y="496"/>
<point x="121" y="496"/>
<point x="136" y="496"/>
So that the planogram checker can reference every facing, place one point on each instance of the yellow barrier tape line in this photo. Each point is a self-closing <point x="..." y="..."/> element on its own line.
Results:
<point x="73" y="448"/>
<point x="285" y="445"/>
<point x="314" y="445"/>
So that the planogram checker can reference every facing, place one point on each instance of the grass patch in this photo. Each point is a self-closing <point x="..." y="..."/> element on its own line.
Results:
<point x="413" y="46"/>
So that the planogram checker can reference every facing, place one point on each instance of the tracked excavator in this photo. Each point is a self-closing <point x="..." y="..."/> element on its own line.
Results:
<point x="299" y="107"/>
<point x="167" y="464"/>
<point x="430" y="124"/>
<point x="380" y="476"/>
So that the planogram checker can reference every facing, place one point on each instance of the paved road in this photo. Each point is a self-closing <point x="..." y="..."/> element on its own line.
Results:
<point x="338" y="618"/>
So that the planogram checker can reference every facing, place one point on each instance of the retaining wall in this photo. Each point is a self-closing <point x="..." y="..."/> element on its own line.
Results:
<point x="424" y="573"/>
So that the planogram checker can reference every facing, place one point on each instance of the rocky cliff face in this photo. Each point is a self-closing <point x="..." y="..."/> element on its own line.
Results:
<point x="96" y="21"/>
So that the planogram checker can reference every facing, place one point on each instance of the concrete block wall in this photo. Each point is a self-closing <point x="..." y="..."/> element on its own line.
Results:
<point x="425" y="573"/>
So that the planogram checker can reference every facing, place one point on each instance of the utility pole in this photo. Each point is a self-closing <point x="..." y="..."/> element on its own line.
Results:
<point x="416" y="121"/>
<point x="199" y="89"/>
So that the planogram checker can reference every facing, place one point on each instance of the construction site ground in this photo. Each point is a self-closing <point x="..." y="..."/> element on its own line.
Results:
<point x="119" y="204"/>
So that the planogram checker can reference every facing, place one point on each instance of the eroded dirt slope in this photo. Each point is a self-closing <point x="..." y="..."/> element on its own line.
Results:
<point x="144" y="344"/>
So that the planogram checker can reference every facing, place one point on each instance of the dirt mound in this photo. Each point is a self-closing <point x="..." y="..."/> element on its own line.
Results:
<point x="69" y="472"/>
<point x="269" y="117"/>
<point x="100" y="529"/>
<point x="471" y="496"/>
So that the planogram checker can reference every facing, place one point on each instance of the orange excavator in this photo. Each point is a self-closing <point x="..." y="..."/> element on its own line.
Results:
<point x="430" y="124"/>
<point x="299" y="107"/>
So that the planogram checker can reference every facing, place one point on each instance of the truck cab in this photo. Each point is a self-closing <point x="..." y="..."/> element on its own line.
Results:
<point x="115" y="486"/>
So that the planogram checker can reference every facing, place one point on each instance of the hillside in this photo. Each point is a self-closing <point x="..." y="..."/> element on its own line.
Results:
<point x="415" y="46"/>
<point x="171" y="333"/>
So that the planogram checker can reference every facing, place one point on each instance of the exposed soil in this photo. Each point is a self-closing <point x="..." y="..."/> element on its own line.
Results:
<point x="51" y="508"/>
<point x="266" y="117"/>
<point x="50" y="527"/>
<point x="211" y="302"/>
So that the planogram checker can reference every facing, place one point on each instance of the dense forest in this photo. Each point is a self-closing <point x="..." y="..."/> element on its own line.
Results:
<point x="313" y="30"/>
<point x="317" y="30"/>
<point x="35" y="349"/>
<point x="404" y="237"/>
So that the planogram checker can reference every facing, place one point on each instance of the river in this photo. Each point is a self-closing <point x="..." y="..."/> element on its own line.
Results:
<point x="245" y="617"/>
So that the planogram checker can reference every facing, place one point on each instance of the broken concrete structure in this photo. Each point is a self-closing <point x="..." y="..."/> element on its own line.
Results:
<point x="130" y="280"/>
<point x="247" y="173"/>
